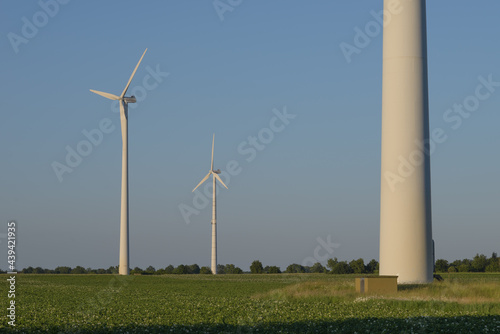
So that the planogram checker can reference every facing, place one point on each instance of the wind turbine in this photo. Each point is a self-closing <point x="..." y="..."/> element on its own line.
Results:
<point x="215" y="175"/>
<point x="124" y="101"/>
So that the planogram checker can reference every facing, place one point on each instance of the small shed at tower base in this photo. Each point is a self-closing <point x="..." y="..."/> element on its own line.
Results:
<point x="376" y="284"/>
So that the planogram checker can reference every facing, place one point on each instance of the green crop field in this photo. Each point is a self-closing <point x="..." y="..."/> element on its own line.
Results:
<point x="282" y="303"/>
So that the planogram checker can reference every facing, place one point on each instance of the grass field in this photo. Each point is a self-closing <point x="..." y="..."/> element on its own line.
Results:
<point x="297" y="303"/>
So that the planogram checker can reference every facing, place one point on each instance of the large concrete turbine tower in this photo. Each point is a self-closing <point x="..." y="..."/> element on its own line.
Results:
<point x="405" y="206"/>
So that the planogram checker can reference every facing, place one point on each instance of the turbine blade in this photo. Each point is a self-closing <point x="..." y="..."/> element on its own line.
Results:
<point x="132" y="76"/>
<point x="212" y="165"/>
<point x="220" y="180"/>
<point x="106" y="95"/>
<point x="204" y="179"/>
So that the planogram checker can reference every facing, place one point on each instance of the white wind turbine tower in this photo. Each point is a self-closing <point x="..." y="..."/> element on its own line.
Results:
<point x="405" y="192"/>
<point x="215" y="175"/>
<point x="124" y="101"/>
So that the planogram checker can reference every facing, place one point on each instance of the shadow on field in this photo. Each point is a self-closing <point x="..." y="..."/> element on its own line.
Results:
<point x="460" y="324"/>
<point x="409" y="287"/>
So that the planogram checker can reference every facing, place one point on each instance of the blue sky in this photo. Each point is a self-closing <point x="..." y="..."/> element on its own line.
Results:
<point x="316" y="179"/>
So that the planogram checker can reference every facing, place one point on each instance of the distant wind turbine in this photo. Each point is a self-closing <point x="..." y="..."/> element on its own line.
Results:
<point x="124" y="101"/>
<point x="215" y="175"/>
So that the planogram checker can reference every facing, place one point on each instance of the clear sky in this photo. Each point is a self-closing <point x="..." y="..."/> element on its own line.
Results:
<point x="313" y="172"/>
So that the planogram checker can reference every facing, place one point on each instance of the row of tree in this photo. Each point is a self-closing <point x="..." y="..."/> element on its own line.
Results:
<point x="333" y="266"/>
<point x="480" y="263"/>
<point x="187" y="269"/>
<point x="181" y="269"/>
<point x="69" y="270"/>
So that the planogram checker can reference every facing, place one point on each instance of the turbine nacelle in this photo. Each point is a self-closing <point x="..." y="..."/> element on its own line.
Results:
<point x="217" y="171"/>
<point x="131" y="99"/>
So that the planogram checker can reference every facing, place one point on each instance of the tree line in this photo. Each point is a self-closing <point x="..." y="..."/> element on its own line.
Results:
<point x="334" y="266"/>
<point x="480" y="263"/>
